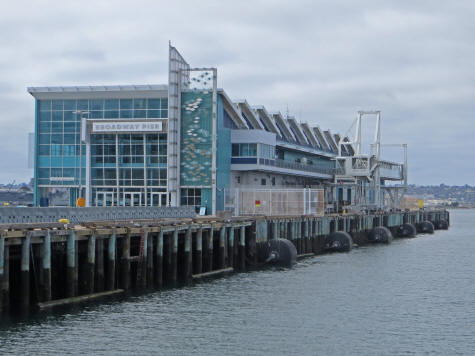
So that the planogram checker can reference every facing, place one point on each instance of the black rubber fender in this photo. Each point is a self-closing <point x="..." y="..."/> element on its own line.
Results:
<point x="441" y="225"/>
<point x="340" y="241"/>
<point x="381" y="234"/>
<point x="406" y="230"/>
<point x="425" y="227"/>
<point x="280" y="252"/>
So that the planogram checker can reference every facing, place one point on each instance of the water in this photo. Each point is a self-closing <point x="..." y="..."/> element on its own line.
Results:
<point x="415" y="297"/>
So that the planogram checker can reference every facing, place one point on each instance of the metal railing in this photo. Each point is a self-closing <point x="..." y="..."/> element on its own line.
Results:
<point x="297" y="166"/>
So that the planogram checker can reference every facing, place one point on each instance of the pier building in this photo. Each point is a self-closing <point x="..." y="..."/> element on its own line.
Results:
<point x="186" y="143"/>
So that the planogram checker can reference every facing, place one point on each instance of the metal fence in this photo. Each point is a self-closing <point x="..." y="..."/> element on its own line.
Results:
<point x="14" y="215"/>
<point x="277" y="202"/>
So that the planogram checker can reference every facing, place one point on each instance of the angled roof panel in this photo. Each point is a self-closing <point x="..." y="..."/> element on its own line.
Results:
<point x="250" y="115"/>
<point x="266" y="118"/>
<point x="309" y="135"/>
<point x="349" y="147"/>
<point x="284" y="129"/>
<point x="295" y="128"/>
<point x="330" y="141"/>
<point x="321" y="139"/>
<point x="232" y="111"/>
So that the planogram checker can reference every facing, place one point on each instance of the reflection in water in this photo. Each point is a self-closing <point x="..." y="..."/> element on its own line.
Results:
<point x="412" y="297"/>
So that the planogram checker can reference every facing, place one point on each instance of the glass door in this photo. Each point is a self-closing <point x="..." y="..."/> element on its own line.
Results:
<point x="158" y="199"/>
<point x="132" y="199"/>
<point x="104" y="199"/>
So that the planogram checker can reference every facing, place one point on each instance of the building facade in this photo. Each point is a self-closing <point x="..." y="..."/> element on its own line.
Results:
<point x="184" y="143"/>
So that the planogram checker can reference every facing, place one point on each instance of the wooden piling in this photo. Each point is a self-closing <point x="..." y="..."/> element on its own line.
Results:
<point x="46" y="268"/>
<point x="71" y="274"/>
<point x="141" y="275"/>
<point x="91" y="264"/>
<point x="231" y="247"/>
<point x="222" y="251"/>
<point x="111" y="257"/>
<point x="5" y="281"/>
<point x="159" y="260"/>
<point x="25" y="271"/>
<point x="125" y="262"/>
<point x="242" y="248"/>
<point x="208" y="253"/>
<point x="150" y="269"/>
<point x="198" y="256"/>
<point x="174" y="257"/>
<point x="188" y="257"/>
<point x="2" y="269"/>
<point x="99" y="283"/>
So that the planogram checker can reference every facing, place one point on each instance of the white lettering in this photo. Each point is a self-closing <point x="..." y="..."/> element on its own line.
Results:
<point x="140" y="126"/>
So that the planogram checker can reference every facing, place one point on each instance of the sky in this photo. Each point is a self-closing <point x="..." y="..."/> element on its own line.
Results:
<point x="320" y="60"/>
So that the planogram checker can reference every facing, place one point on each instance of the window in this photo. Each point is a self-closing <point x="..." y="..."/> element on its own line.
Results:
<point x="273" y="180"/>
<point x="263" y="181"/>
<point x="191" y="196"/>
<point x="244" y="150"/>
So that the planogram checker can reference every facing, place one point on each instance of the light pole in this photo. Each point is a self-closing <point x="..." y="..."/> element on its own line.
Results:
<point x="82" y="138"/>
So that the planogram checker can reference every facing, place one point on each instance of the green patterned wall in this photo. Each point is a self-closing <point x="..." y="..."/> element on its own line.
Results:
<point x="196" y="130"/>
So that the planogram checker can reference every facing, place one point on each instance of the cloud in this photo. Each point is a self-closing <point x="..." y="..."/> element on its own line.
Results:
<point x="324" y="60"/>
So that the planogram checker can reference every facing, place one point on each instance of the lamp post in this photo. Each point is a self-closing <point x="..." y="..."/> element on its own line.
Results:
<point x="83" y="136"/>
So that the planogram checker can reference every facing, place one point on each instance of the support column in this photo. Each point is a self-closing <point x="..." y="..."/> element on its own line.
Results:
<point x="275" y="230"/>
<point x="2" y="268"/>
<point x="159" y="262"/>
<point x="306" y="235"/>
<point x="99" y="283"/>
<point x="5" y="280"/>
<point x="222" y="252"/>
<point x="150" y="270"/>
<point x="125" y="262"/>
<point x="72" y="280"/>
<point x="198" y="258"/>
<point x="141" y="275"/>
<point x="188" y="259"/>
<point x="209" y="250"/>
<point x="91" y="264"/>
<point x="25" y="272"/>
<point x="46" y="267"/>
<point x="231" y="247"/>
<point x="242" y="248"/>
<point x="173" y="267"/>
<point x="111" y="256"/>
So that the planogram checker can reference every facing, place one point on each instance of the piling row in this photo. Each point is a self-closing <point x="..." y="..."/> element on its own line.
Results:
<point x="41" y="266"/>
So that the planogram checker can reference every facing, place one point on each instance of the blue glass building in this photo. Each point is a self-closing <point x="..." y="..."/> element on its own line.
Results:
<point x="184" y="143"/>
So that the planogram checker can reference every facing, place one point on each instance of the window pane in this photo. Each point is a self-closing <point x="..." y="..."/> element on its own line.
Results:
<point x="44" y="105"/>
<point x="140" y="104"/>
<point x="70" y="105"/>
<point x="97" y="104"/>
<point x="126" y="114"/>
<point x="164" y="103"/>
<point x="140" y="114"/>
<point x="154" y="103"/>
<point x="125" y="104"/>
<point x="153" y="114"/>
<point x="111" y="114"/>
<point x="57" y="105"/>
<point x="112" y="104"/>
<point x="83" y="104"/>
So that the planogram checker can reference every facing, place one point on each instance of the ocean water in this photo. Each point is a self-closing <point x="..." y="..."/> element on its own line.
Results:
<point x="414" y="297"/>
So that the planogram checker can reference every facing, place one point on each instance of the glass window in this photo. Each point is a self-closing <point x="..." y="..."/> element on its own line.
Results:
<point x="45" y="127"/>
<point x="154" y="103"/>
<point x="83" y="104"/>
<point x="97" y="114"/>
<point x="97" y="104"/>
<point x="163" y="114"/>
<point x="244" y="149"/>
<point x="111" y="104"/>
<point x="57" y="105"/>
<point x="44" y="150"/>
<point x="57" y="116"/>
<point x="69" y="138"/>
<point x="252" y="149"/>
<point x="235" y="150"/>
<point x="140" y="104"/>
<point x="43" y="173"/>
<point x="111" y="114"/>
<point x="153" y="114"/>
<point x="140" y="114"/>
<point x="164" y="103"/>
<point x="56" y="126"/>
<point x="126" y="114"/>
<point x="70" y="116"/>
<point x="69" y="127"/>
<point x="45" y="116"/>
<point x="70" y="105"/>
<point x="44" y="105"/>
<point x="44" y="139"/>
<point x="57" y="138"/>
<point x="125" y="104"/>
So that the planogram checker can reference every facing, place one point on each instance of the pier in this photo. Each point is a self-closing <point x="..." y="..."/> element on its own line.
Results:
<point x="49" y="264"/>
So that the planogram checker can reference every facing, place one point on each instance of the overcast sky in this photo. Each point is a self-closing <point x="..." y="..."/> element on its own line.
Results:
<point x="323" y="60"/>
